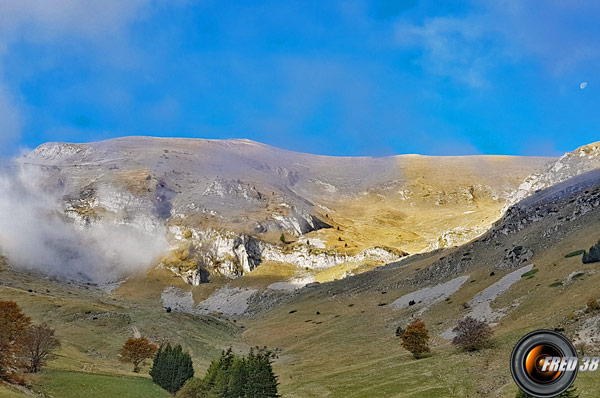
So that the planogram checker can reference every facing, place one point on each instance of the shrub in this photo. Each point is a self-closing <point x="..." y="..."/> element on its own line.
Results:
<point x="530" y="274"/>
<point x="592" y="305"/>
<point x="416" y="339"/>
<point x="172" y="367"/>
<point x="575" y="253"/>
<point x="593" y="255"/>
<point x="136" y="351"/>
<point x="193" y="388"/>
<point x="471" y="334"/>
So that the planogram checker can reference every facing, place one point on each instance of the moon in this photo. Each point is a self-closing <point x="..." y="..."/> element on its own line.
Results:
<point x="583" y="85"/>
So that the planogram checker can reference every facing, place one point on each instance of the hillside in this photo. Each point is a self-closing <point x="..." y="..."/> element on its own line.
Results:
<point x="338" y="338"/>
<point x="222" y="208"/>
<point x="516" y="277"/>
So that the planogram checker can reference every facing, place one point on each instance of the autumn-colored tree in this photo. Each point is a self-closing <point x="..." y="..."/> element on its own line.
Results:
<point x="38" y="344"/>
<point x="416" y="339"/>
<point x="471" y="334"/>
<point x="136" y="350"/>
<point x="13" y="329"/>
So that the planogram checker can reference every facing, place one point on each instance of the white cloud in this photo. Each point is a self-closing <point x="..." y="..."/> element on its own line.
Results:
<point x="35" y="234"/>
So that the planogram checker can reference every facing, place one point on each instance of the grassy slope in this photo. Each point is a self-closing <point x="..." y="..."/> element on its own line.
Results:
<point x="348" y="350"/>
<point x="353" y="351"/>
<point x="65" y="384"/>
<point x="7" y="391"/>
<point x="90" y="346"/>
<point x="438" y="200"/>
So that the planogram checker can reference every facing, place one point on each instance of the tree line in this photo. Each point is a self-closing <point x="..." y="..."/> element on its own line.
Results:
<point x="229" y="376"/>
<point x="235" y="376"/>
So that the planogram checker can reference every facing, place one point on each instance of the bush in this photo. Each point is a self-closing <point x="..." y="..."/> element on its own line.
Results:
<point x="471" y="334"/>
<point x="193" y="388"/>
<point x="592" y="305"/>
<point x="136" y="351"/>
<point x="593" y="255"/>
<point x="575" y="253"/>
<point x="416" y="339"/>
<point x="530" y="274"/>
<point x="172" y="368"/>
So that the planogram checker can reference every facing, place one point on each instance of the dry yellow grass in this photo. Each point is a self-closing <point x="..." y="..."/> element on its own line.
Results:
<point x="434" y="195"/>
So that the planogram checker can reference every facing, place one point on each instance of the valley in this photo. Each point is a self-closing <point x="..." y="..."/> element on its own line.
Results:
<point x="489" y="237"/>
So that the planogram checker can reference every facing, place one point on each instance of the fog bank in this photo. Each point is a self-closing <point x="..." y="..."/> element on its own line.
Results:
<point x="36" y="235"/>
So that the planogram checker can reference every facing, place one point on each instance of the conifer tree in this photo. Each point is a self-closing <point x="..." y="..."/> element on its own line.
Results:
<point x="262" y="382"/>
<point x="172" y="368"/>
<point x="237" y="379"/>
<point x="235" y="376"/>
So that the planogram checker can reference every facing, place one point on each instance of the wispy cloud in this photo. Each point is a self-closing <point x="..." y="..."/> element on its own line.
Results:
<point x="45" y="20"/>
<point x="558" y="37"/>
<point x="453" y="47"/>
<point x="99" y="22"/>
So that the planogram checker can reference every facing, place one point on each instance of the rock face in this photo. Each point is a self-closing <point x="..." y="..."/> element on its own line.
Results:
<point x="225" y="203"/>
<point x="456" y="236"/>
<point x="572" y="164"/>
<point x="231" y="255"/>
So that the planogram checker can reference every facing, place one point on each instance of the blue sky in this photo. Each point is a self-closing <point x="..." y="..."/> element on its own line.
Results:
<point x="332" y="77"/>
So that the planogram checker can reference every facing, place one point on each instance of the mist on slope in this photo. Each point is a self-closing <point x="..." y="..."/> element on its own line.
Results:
<point x="36" y="235"/>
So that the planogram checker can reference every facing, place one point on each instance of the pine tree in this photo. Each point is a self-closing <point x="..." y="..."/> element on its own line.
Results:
<point x="157" y="366"/>
<point x="234" y="376"/>
<point x="172" y="368"/>
<point x="262" y="382"/>
<point x="217" y="375"/>
<point x="237" y="379"/>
